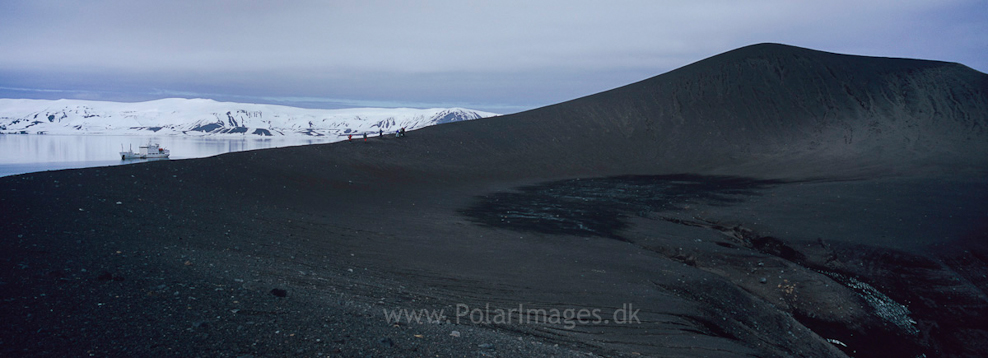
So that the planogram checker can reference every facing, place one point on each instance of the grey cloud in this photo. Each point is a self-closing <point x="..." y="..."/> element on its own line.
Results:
<point x="509" y="53"/>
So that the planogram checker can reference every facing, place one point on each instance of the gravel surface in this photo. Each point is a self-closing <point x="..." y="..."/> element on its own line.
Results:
<point x="823" y="212"/>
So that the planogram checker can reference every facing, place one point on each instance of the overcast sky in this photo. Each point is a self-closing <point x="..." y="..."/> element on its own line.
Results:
<point x="500" y="56"/>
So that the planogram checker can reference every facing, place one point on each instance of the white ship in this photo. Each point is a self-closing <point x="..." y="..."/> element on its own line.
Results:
<point x="149" y="151"/>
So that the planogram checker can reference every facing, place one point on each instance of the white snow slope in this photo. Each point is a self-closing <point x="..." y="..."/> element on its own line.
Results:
<point x="205" y="117"/>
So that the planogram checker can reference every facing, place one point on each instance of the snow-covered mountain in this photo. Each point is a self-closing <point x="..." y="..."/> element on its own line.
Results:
<point x="205" y="117"/>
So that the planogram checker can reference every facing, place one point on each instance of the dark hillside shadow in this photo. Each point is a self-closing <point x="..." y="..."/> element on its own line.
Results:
<point x="595" y="207"/>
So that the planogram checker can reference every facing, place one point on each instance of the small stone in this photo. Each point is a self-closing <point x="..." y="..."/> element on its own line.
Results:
<point x="485" y="346"/>
<point x="387" y="342"/>
<point x="763" y="280"/>
<point x="277" y="292"/>
<point x="454" y="333"/>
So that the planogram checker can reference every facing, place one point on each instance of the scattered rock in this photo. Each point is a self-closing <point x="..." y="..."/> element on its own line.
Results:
<point x="455" y="333"/>
<point x="277" y="292"/>
<point x="763" y="280"/>
<point x="387" y="342"/>
<point x="486" y="346"/>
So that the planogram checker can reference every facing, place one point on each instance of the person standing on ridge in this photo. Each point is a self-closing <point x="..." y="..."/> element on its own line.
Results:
<point x="349" y="137"/>
<point x="365" y="136"/>
<point x="382" y="133"/>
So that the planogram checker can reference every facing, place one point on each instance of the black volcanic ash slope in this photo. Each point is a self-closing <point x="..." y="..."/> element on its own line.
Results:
<point x="765" y="103"/>
<point x="707" y="223"/>
<point x="765" y="110"/>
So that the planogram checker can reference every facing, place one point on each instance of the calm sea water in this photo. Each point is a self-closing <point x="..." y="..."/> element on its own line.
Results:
<point x="28" y="153"/>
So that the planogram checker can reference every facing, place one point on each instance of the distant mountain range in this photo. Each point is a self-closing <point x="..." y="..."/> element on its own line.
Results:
<point x="205" y="117"/>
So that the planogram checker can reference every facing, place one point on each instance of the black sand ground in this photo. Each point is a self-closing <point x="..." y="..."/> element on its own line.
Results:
<point x="770" y="201"/>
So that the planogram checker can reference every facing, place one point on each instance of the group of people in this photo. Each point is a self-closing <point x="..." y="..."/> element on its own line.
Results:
<point x="398" y="133"/>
